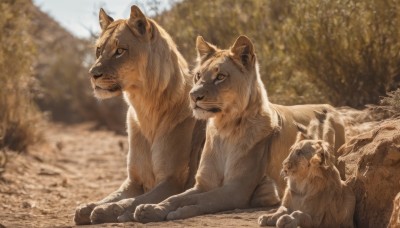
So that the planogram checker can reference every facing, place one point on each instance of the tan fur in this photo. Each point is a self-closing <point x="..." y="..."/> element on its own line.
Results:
<point x="315" y="195"/>
<point x="137" y="57"/>
<point x="247" y="137"/>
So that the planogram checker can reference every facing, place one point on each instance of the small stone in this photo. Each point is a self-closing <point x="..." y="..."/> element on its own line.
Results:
<point x="26" y="205"/>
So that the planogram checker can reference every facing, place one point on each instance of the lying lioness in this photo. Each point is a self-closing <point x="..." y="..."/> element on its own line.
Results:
<point x="138" y="58"/>
<point x="315" y="195"/>
<point x="247" y="137"/>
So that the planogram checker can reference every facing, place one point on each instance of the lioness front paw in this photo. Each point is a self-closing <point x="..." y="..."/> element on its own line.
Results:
<point x="127" y="216"/>
<point x="267" y="220"/>
<point x="82" y="213"/>
<point x="106" y="213"/>
<point x="286" y="221"/>
<point x="150" y="213"/>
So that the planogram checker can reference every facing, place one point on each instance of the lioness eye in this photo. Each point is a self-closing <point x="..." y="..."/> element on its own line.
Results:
<point x="119" y="51"/>
<point x="197" y="76"/>
<point x="97" y="52"/>
<point x="220" y="77"/>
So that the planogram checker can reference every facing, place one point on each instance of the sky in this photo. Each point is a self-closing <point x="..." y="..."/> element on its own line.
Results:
<point x="80" y="17"/>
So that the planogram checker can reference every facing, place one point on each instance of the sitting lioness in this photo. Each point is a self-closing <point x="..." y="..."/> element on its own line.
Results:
<point x="247" y="137"/>
<point x="137" y="57"/>
<point x="315" y="195"/>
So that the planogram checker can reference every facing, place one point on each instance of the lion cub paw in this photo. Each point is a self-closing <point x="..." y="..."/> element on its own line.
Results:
<point x="266" y="220"/>
<point x="82" y="213"/>
<point x="286" y="221"/>
<point x="150" y="213"/>
<point x="106" y="213"/>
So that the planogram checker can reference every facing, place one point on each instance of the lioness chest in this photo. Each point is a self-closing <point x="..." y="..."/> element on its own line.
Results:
<point x="219" y="161"/>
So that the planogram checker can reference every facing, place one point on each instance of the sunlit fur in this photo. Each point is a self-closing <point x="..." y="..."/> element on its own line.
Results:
<point x="315" y="195"/>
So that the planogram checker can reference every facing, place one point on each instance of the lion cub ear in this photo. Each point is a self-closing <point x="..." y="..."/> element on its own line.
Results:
<point x="204" y="48"/>
<point x="302" y="132"/>
<point x="104" y="19"/>
<point x="243" y="50"/>
<point x="322" y="156"/>
<point x="139" y="23"/>
<point x="321" y="116"/>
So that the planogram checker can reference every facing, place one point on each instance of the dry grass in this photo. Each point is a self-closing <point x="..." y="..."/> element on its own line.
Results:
<point x="391" y="102"/>
<point x="388" y="107"/>
<point x="19" y="117"/>
<point x="351" y="49"/>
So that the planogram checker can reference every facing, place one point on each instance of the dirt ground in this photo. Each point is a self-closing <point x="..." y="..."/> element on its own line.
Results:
<point x="75" y="166"/>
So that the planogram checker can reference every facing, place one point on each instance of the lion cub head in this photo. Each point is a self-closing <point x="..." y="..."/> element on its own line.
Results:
<point x="121" y="52"/>
<point x="223" y="78"/>
<point x="311" y="155"/>
<point x="307" y="157"/>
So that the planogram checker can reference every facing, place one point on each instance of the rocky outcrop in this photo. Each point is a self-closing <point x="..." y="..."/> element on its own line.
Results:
<point x="372" y="164"/>
<point x="395" y="218"/>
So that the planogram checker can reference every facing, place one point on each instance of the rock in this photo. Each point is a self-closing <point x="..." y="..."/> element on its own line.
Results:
<point x="372" y="165"/>
<point x="395" y="218"/>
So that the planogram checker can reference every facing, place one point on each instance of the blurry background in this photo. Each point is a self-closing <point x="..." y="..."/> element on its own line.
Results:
<point x="343" y="52"/>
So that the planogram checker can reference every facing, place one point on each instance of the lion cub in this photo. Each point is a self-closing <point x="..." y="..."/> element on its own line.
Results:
<point x="315" y="195"/>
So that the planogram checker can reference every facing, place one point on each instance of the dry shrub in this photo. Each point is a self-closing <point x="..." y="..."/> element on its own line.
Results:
<point x="19" y="117"/>
<point x="391" y="103"/>
<point x="344" y="52"/>
<point x="388" y="107"/>
<point x="349" y="48"/>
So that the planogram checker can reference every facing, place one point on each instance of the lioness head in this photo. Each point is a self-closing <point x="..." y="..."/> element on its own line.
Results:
<point x="223" y="78"/>
<point x="121" y="52"/>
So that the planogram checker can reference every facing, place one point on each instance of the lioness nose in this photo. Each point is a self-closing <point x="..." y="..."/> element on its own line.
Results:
<point x="196" y="96"/>
<point x="96" y="76"/>
<point x="95" y="72"/>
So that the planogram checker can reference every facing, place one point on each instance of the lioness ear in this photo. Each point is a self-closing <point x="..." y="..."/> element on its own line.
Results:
<point x="243" y="50"/>
<point x="203" y="48"/>
<point x="104" y="19"/>
<point x="138" y="22"/>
